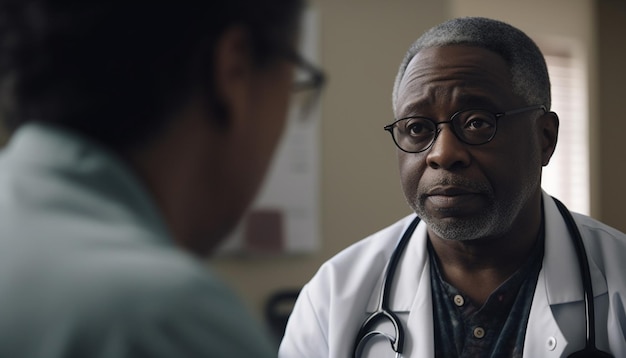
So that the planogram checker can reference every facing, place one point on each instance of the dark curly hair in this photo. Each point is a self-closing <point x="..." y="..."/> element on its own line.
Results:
<point x="116" y="70"/>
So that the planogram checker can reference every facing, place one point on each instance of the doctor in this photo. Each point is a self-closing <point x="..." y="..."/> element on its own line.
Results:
<point x="491" y="269"/>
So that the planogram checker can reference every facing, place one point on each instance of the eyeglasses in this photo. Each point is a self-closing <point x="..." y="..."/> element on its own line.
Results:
<point x="308" y="83"/>
<point x="470" y="126"/>
<point x="307" y="75"/>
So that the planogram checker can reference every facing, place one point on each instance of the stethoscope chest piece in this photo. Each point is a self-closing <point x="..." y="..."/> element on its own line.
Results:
<point x="384" y="314"/>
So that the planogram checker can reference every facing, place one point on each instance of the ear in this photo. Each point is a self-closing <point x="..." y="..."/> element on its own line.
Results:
<point x="549" y="126"/>
<point x="232" y="73"/>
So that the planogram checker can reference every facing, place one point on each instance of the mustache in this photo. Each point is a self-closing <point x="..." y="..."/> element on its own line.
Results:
<point x="461" y="183"/>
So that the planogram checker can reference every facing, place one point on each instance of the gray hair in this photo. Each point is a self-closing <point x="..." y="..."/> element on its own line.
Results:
<point x="529" y="73"/>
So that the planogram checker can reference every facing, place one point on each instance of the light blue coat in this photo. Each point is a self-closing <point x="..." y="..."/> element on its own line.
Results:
<point x="88" y="269"/>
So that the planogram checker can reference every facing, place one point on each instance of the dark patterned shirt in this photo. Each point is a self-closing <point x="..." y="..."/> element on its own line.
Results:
<point x="497" y="329"/>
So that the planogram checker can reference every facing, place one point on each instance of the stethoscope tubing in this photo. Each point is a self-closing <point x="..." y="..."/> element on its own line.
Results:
<point x="590" y="349"/>
<point x="383" y="311"/>
<point x="397" y="344"/>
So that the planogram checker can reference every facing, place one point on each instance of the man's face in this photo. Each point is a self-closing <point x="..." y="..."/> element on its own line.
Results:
<point x="467" y="192"/>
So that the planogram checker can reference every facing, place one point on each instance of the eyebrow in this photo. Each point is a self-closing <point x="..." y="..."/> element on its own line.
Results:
<point x="466" y="102"/>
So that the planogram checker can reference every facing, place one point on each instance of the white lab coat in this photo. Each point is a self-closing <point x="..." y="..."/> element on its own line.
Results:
<point x="333" y="305"/>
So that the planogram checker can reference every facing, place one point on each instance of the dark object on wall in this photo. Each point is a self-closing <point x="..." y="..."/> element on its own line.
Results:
<point x="277" y="310"/>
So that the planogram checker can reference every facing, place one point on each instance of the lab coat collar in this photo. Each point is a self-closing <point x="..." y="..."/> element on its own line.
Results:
<point x="422" y="342"/>
<point x="412" y="294"/>
<point x="411" y="274"/>
<point x="560" y="266"/>
<point x="563" y="282"/>
<point x="559" y="282"/>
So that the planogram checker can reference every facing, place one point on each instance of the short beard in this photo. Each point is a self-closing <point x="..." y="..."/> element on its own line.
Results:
<point x="495" y="220"/>
<point x="490" y="222"/>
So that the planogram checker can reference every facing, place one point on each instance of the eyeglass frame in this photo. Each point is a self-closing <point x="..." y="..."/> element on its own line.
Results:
<point x="390" y="127"/>
<point x="317" y="78"/>
<point x="315" y="81"/>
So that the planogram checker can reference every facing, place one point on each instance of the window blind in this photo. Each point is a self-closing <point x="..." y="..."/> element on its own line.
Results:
<point x="567" y="175"/>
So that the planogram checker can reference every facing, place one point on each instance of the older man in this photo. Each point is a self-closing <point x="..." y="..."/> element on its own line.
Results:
<point x="491" y="269"/>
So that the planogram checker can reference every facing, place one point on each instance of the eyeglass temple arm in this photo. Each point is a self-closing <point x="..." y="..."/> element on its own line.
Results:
<point x="525" y="109"/>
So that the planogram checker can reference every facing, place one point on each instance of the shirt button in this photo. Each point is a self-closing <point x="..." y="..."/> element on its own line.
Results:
<point x="479" y="332"/>
<point x="551" y="343"/>
<point x="459" y="300"/>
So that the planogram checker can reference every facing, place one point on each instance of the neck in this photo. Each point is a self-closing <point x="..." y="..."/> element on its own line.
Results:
<point x="478" y="267"/>
<point x="173" y="169"/>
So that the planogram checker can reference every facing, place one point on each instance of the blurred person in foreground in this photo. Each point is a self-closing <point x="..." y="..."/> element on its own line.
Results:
<point x="142" y="133"/>
<point x="491" y="269"/>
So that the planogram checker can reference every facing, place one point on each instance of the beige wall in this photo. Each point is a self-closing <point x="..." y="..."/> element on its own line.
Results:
<point x="362" y="44"/>
<point x="611" y="114"/>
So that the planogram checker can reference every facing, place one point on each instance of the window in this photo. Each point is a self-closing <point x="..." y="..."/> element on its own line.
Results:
<point x="567" y="175"/>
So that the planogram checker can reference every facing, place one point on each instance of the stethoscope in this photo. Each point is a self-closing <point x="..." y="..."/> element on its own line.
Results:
<point x="383" y="313"/>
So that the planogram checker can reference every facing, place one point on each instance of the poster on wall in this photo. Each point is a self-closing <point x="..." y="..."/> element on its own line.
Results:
<point x="284" y="219"/>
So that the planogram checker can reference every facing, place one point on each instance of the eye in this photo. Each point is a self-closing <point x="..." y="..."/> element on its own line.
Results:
<point x="418" y="127"/>
<point x="479" y="122"/>
<point x="415" y="128"/>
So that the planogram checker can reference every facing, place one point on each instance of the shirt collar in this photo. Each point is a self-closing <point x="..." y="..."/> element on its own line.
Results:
<point x="85" y="166"/>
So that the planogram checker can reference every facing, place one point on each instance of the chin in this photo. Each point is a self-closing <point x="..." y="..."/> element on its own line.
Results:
<point x="455" y="229"/>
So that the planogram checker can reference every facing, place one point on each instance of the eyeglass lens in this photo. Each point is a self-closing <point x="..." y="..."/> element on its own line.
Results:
<point x="471" y="127"/>
<point x="307" y="87"/>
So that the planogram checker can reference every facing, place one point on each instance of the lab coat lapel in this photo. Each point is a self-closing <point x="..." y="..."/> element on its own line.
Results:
<point x="559" y="283"/>
<point x="556" y="284"/>
<point x="406" y="279"/>
<point x="561" y="264"/>
<point x="411" y="295"/>
<point x="416" y="279"/>
<point x="543" y="336"/>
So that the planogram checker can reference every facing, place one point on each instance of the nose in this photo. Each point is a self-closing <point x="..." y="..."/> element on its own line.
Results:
<point x="447" y="152"/>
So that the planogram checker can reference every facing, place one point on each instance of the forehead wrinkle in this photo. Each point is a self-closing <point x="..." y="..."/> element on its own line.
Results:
<point x="459" y="95"/>
<point x="429" y="79"/>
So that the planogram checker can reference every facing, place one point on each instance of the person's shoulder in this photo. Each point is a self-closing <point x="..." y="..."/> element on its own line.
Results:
<point x="605" y="245"/>
<point x="174" y="299"/>
<point x="141" y="298"/>
<point x="598" y="230"/>
<point x="104" y="277"/>
<point x="148" y="276"/>
<point x="183" y="303"/>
